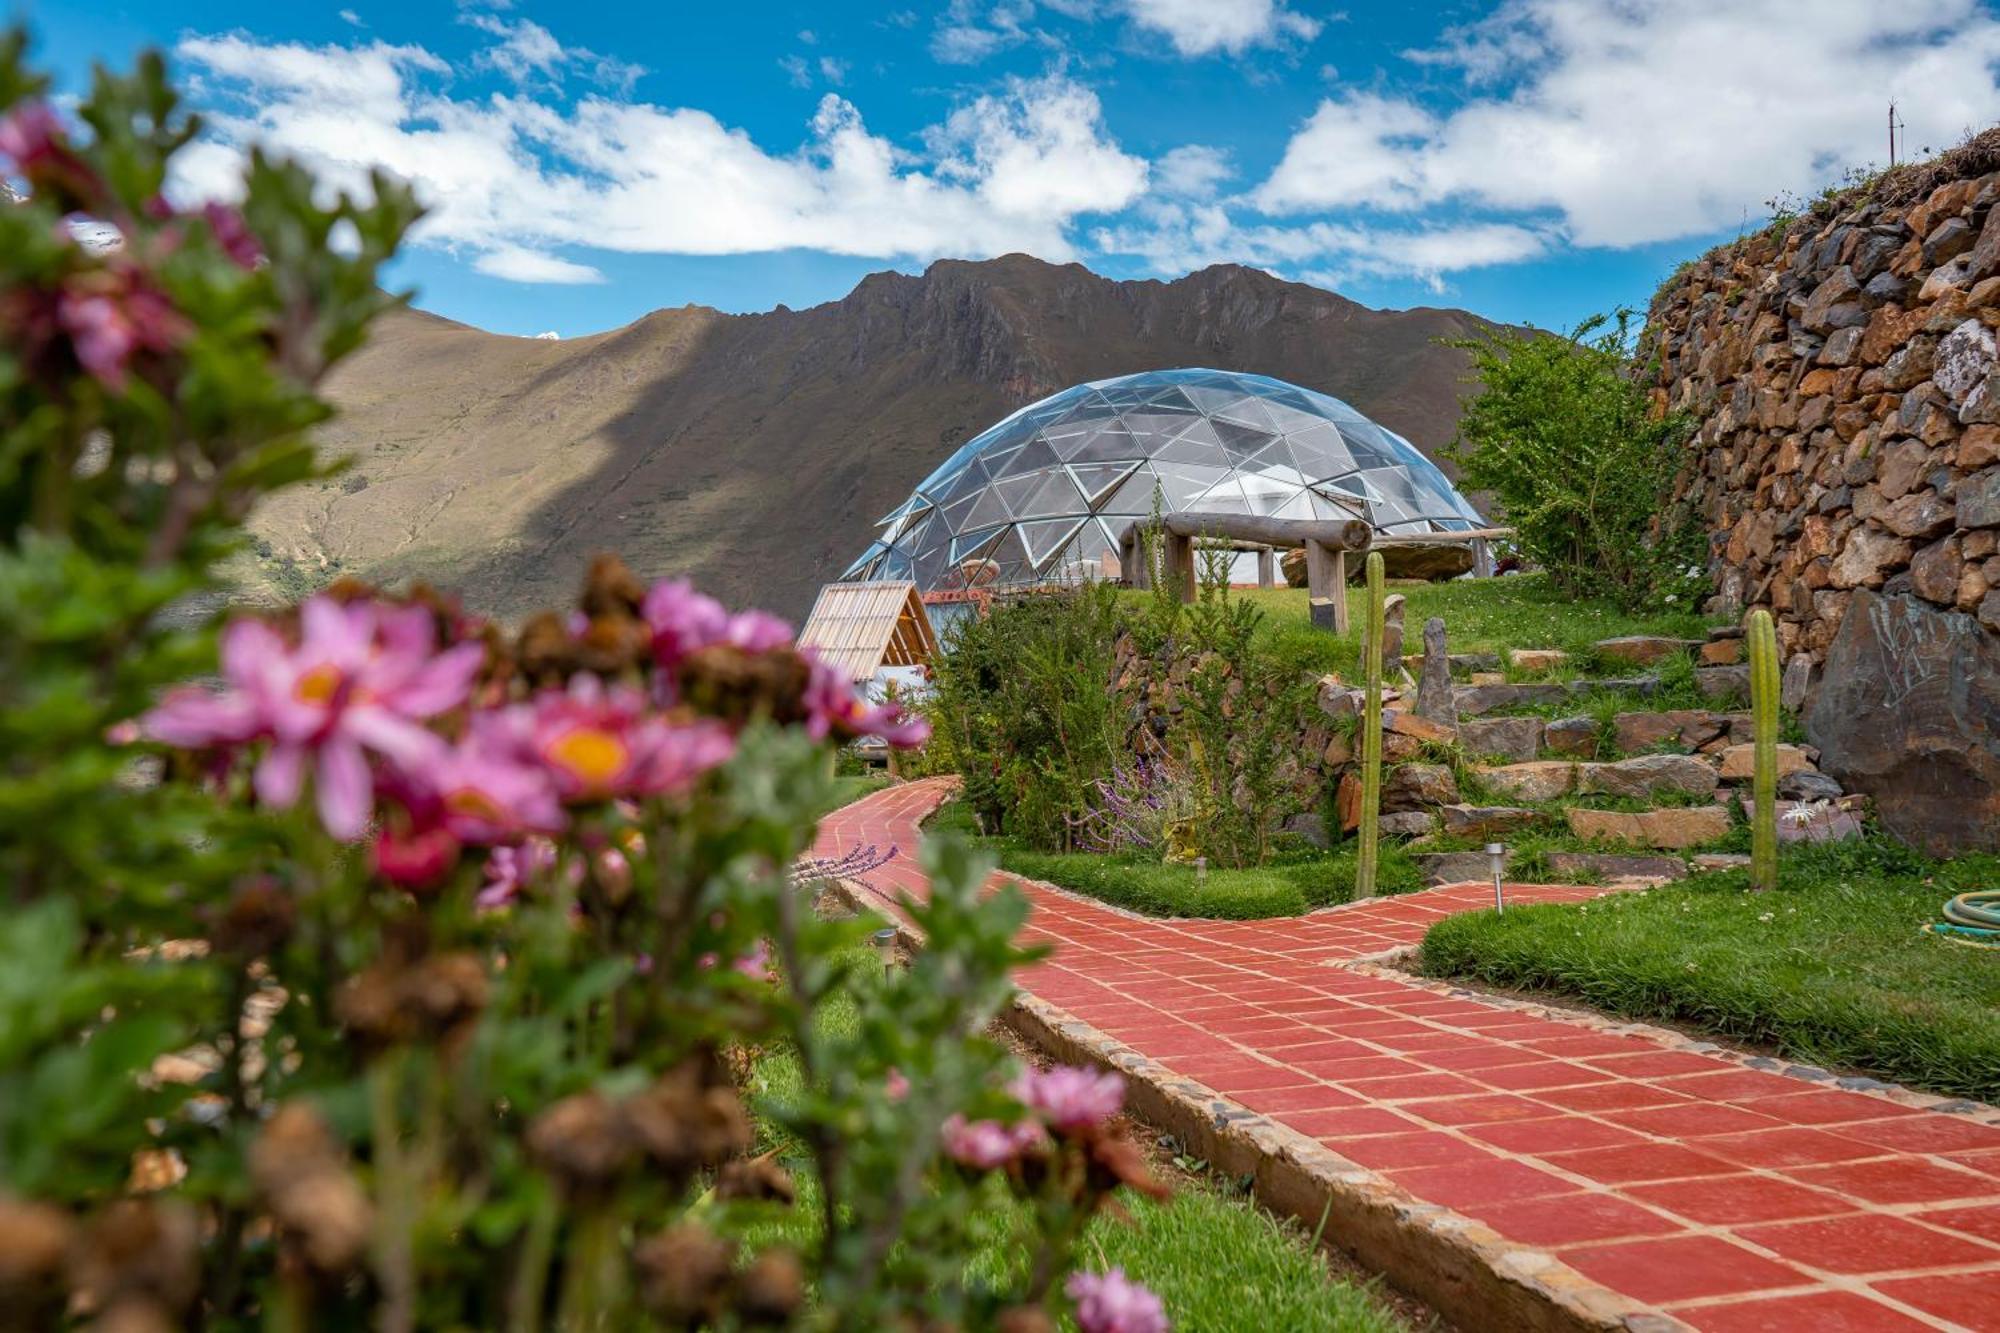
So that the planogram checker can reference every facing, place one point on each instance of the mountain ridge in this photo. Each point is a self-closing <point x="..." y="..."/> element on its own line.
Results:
<point x="753" y="452"/>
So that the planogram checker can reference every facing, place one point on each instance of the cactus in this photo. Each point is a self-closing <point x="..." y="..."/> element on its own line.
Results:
<point x="1764" y="783"/>
<point x="1371" y="734"/>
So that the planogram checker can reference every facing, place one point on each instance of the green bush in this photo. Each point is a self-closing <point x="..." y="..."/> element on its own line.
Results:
<point x="1562" y="432"/>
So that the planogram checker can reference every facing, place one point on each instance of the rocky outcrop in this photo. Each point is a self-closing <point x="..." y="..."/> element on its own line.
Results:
<point x="1842" y="374"/>
<point x="1909" y="713"/>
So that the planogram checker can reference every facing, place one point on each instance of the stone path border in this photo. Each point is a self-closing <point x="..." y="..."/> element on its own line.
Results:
<point x="1514" y="1164"/>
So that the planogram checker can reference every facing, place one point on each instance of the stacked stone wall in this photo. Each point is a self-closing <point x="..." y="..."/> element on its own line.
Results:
<point x="1842" y="375"/>
<point x="1841" y="372"/>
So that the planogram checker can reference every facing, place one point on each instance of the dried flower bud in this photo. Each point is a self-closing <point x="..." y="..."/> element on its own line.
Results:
<point x="545" y="651"/>
<point x="1115" y="1160"/>
<point x="722" y="680"/>
<point x="136" y="1314"/>
<point x="145" y="1251"/>
<point x="301" y="1174"/>
<point x="771" y="1290"/>
<point x="612" y="644"/>
<point x="611" y="588"/>
<point x="684" y="1273"/>
<point x="757" y="1178"/>
<point x="33" y="1238"/>
<point x="1024" y="1319"/>
<point x="685" y="1122"/>
<point x="258" y="919"/>
<point x="435" y="998"/>
<point x="583" y="1140"/>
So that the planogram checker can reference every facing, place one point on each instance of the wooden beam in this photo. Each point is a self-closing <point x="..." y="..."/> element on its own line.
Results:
<point x="1350" y="534"/>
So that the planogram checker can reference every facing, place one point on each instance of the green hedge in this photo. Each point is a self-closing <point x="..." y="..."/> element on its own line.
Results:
<point x="1833" y="968"/>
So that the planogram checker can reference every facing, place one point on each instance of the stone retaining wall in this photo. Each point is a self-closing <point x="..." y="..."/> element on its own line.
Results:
<point x="1842" y="374"/>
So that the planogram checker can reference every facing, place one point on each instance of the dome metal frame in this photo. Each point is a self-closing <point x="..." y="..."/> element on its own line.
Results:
<point x="1046" y="494"/>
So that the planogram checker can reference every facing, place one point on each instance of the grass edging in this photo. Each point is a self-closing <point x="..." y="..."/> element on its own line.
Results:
<point x="1288" y="887"/>
<point x="1830" y="969"/>
<point x="1461" y="1268"/>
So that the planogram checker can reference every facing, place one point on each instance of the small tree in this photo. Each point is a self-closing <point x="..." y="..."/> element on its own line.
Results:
<point x="1562" y="432"/>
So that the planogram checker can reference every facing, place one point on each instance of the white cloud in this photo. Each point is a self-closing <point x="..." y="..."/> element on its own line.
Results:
<point x="513" y="180"/>
<point x="797" y="70"/>
<point x="833" y="70"/>
<point x="1203" y="27"/>
<point x="528" y="53"/>
<point x="1651" y="119"/>
<point x="967" y="34"/>
<point x="348" y="16"/>
<point x="1192" y="171"/>
<point x="518" y="265"/>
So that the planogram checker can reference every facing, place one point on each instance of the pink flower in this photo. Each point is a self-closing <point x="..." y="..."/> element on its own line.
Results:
<point x="233" y="235"/>
<point x="487" y="792"/>
<point x="894" y="1086"/>
<point x="833" y="709"/>
<point x="682" y="620"/>
<point x="1110" y="1302"/>
<point x="1071" y="1097"/>
<point x="32" y="137"/>
<point x="361" y="680"/>
<point x="508" y="870"/>
<point x="414" y="860"/>
<point x="985" y="1145"/>
<point x="598" y="743"/>
<point x="757" y="631"/>
<point x="757" y="963"/>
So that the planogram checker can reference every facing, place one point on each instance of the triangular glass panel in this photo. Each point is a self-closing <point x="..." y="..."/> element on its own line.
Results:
<point x="1046" y="540"/>
<point x="1134" y="498"/>
<point x="1225" y="497"/>
<point x="975" y="544"/>
<point x="1211" y="398"/>
<point x="990" y="508"/>
<point x="1247" y="411"/>
<point x="1182" y="483"/>
<point x="1054" y="494"/>
<point x="1239" y="442"/>
<point x="1096" y="481"/>
<point x="1035" y="455"/>
<point x="1197" y="444"/>
<point x="1109" y="445"/>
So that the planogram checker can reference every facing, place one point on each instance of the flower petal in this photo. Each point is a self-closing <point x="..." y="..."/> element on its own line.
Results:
<point x="279" y="775"/>
<point x="344" y="789"/>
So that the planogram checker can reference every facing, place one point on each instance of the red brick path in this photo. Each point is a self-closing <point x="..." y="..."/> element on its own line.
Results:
<point x="1732" y="1198"/>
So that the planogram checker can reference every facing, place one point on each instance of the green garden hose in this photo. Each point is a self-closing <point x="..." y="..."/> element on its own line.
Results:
<point x="1971" y="918"/>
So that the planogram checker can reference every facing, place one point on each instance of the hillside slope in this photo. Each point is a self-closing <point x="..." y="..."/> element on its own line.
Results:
<point x="754" y="452"/>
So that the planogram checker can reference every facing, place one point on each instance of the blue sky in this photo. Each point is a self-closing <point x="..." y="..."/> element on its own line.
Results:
<point x="1531" y="160"/>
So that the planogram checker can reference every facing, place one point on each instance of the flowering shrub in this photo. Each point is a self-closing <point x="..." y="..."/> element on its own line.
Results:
<point x="401" y="975"/>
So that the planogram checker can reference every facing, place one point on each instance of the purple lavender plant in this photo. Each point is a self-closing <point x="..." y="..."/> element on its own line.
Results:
<point x="815" y="870"/>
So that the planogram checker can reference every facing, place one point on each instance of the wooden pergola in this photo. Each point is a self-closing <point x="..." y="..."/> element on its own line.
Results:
<point x="1326" y="540"/>
<point x="860" y="628"/>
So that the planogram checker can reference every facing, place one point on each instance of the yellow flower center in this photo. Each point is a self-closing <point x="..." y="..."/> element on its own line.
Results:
<point x="318" y="685"/>
<point x="472" y="802"/>
<point x="590" y="755"/>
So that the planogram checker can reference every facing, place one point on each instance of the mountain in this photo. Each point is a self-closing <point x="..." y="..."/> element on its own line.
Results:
<point x="755" y="452"/>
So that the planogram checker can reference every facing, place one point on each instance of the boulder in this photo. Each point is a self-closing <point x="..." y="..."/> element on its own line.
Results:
<point x="1292" y="564"/>
<point x="1721" y="652"/>
<point x="1407" y="824"/>
<point x="1648" y="776"/>
<point x="1721" y="861"/>
<point x="1536" y="660"/>
<point x="1808" y="784"/>
<point x="1456" y="867"/>
<point x="1810" y="821"/>
<point x="1598" y="868"/>
<point x="1672" y="828"/>
<point x="1517" y="738"/>
<point x="1412" y="560"/>
<point x="1392" y="630"/>
<point x="1689" y="728"/>
<point x="1486" y="821"/>
<point x="1416" y="786"/>
<point x="1574" y="736"/>
<point x="1642" y="649"/>
<point x="1476" y="699"/>
<point x="1308" y="826"/>
<point x="1905" y="712"/>
<point x="1542" y="780"/>
<point x="1739" y="762"/>
<point x="1723" y="682"/>
<point x="1337" y="700"/>
<point x="1417" y="728"/>
<point x="1434" y="697"/>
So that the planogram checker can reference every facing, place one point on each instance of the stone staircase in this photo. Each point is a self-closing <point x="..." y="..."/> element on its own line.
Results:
<point x="1641" y="793"/>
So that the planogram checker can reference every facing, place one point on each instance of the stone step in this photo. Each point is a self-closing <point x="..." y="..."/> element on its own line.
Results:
<point x="1606" y="869"/>
<point x="1642" y="650"/>
<point x="1645" y="777"/>
<point x="1673" y="828"/>
<point x="1458" y="867"/>
<point x="1474" y="700"/>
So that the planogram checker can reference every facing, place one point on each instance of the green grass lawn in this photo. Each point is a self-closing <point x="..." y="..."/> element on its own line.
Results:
<point x="1831" y="969"/>
<point x="1294" y="882"/>
<point x="1480" y="615"/>
<point x="1218" y="1261"/>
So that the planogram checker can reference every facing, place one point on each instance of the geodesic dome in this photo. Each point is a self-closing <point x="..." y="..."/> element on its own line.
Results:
<point x="1047" y="493"/>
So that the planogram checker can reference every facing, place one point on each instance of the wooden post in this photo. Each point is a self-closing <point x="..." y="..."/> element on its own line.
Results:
<point x="1482" y="558"/>
<point x="1267" y="562"/>
<point x="1179" y="562"/>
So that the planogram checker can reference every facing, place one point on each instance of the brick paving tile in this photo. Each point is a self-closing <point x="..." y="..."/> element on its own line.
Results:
<point x="1862" y="1243"/>
<point x="1966" y="1303"/>
<point x="1681" y="1268"/>
<point x="1738" y="1199"/>
<point x="1820" y="1312"/>
<point x="1732" y="1200"/>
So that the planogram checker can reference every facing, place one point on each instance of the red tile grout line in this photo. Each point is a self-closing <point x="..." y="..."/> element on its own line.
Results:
<point x="1110" y="967"/>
